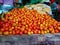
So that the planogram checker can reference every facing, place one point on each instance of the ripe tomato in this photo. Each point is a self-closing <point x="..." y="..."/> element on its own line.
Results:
<point x="39" y="32"/>
<point x="25" y="31"/>
<point x="0" y="32"/>
<point x="2" y="29"/>
<point x="6" y="33"/>
<point x="1" y="23"/>
<point x="21" y="33"/>
<point x="17" y="32"/>
<point x="56" y="31"/>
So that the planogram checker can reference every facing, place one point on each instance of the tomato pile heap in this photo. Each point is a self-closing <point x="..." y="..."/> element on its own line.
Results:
<point x="24" y="21"/>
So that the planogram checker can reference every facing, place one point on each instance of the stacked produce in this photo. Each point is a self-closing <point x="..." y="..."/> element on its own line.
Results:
<point x="24" y="21"/>
<point x="41" y="8"/>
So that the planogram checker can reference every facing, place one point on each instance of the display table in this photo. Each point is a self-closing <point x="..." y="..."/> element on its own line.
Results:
<point x="31" y="40"/>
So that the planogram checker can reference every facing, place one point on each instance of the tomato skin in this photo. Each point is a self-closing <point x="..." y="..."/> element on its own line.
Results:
<point x="20" y="33"/>
<point x="39" y="32"/>
<point x="0" y="32"/>
<point x="6" y="33"/>
<point x="2" y="29"/>
<point x="56" y="31"/>
<point x="17" y="32"/>
<point x="25" y="31"/>
<point x="1" y="23"/>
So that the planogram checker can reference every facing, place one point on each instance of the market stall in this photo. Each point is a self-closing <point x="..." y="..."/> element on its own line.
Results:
<point x="30" y="25"/>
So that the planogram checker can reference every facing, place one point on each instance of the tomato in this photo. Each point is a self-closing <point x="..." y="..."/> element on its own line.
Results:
<point x="56" y="31"/>
<point x="1" y="23"/>
<point x="0" y="32"/>
<point x="21" y="33"/>
<point x="39" y="32"/>
<point x="25" y="31"/>
<point x="6" y="33"/>
<point x="2" y="29"/>
<point x="17" y="32"/>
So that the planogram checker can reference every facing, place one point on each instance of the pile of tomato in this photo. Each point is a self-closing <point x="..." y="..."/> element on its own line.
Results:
<point x="24" y="21"/>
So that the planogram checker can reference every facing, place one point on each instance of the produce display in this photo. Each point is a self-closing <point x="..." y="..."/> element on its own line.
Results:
<point x="41" y="8"/>
<point x="24" y="21"/>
